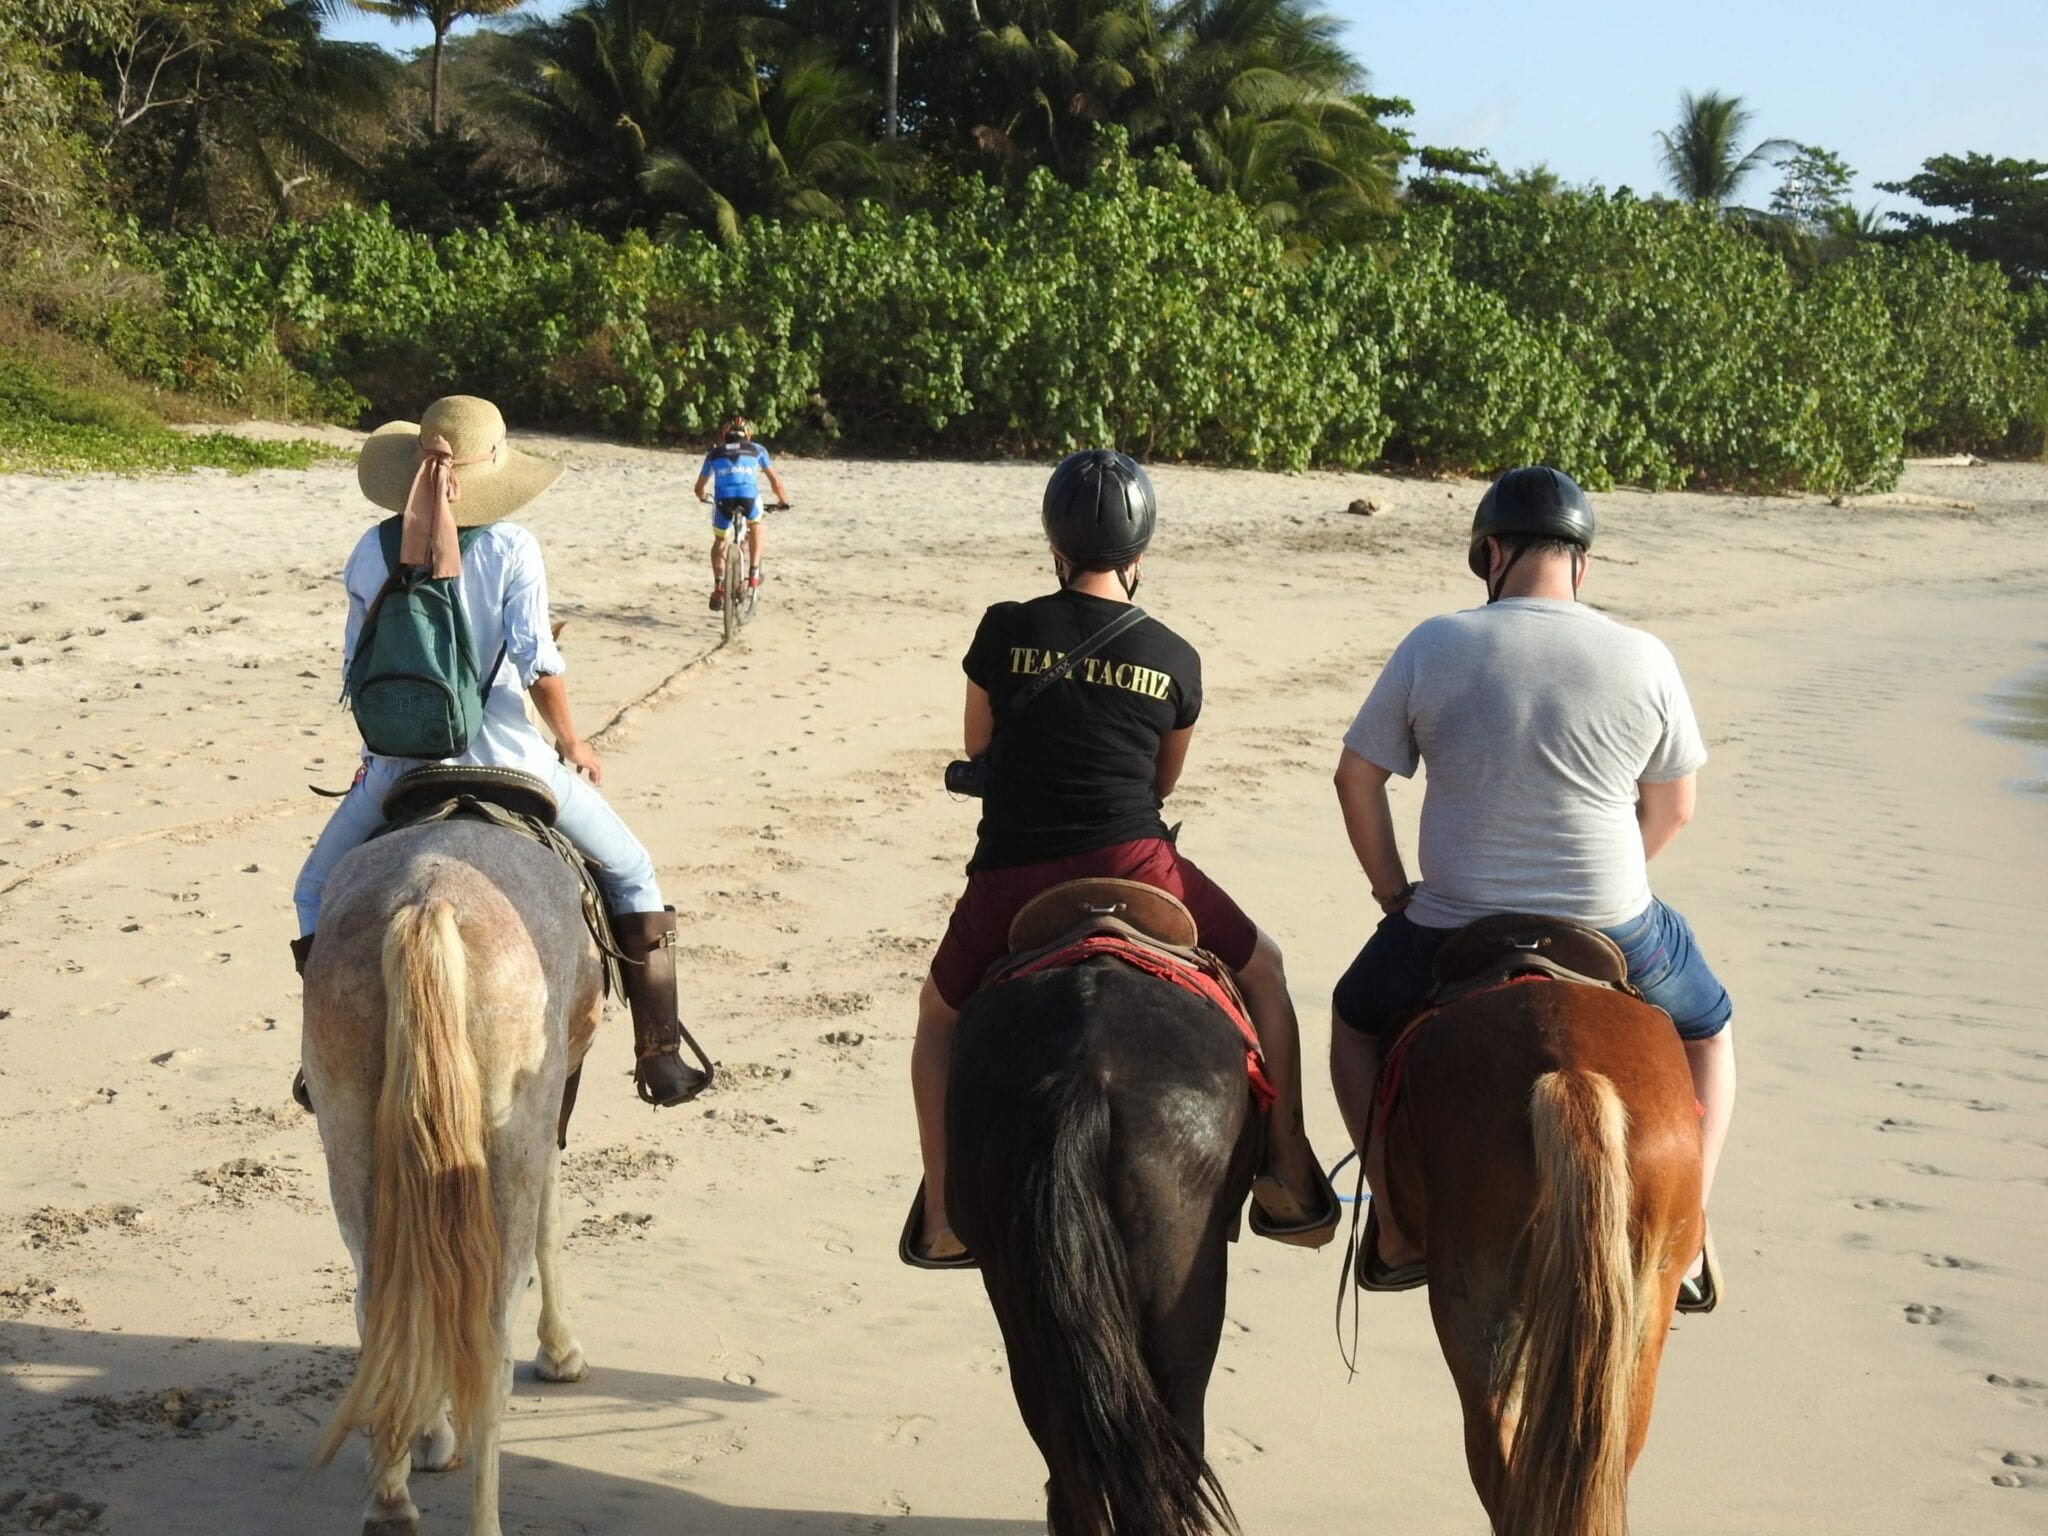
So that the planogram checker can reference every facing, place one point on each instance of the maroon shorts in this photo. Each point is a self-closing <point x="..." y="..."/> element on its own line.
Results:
<point x="979" y="934"/>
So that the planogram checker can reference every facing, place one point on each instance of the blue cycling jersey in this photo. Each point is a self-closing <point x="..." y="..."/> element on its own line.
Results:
<point x="735" y="471"/>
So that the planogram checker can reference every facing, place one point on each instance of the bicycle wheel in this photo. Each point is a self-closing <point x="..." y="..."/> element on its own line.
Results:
<point x="750" y="596"/>
<point x="735" y="585"/>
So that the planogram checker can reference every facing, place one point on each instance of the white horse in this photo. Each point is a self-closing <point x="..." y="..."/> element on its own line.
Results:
<point x="452" y="993"/>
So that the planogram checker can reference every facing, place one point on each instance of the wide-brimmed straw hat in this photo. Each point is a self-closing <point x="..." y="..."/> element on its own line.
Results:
<point x="494" y="478"/>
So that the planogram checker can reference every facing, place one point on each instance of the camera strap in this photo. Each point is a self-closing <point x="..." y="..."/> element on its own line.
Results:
<point x="1080" y="653"/>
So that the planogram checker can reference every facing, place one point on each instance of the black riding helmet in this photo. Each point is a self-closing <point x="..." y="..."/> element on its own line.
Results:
<point x="1534" y="500"/>
<point x="1099" y="510"/>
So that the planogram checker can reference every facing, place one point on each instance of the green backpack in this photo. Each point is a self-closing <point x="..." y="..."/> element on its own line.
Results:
<point x="413" y="685"/>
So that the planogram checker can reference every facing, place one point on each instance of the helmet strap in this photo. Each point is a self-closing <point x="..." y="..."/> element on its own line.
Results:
<point x="1493" y="588"/>
<point x="1128" y="580"/>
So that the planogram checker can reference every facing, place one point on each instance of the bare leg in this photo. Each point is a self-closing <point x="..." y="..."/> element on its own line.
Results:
<point x="718" y="559"/>
<point x="1712" y="1061"/>
<point x="931" y="1061"/>
<point x="754" y="545"/>
<point x="561" y="1357"/>
<point x="1288" y="1153"/>
<point x="1355" y="1075"/>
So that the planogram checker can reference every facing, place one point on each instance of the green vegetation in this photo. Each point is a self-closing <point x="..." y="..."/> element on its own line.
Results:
<point x="1004" y="226"/>
<point x="1704" y="156"/>
<point x="52" y="427"/>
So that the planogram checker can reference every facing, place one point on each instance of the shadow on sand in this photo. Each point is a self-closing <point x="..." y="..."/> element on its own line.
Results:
<point x="205" y="1435"/>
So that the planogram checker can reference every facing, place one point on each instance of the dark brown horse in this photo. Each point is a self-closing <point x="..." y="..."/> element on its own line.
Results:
<point x="1101" y="1141"/>
<point x="1544" y="1149"/>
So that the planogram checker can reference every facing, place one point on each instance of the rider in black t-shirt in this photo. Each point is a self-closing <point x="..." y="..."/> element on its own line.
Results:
<point x="1073" y="788"/>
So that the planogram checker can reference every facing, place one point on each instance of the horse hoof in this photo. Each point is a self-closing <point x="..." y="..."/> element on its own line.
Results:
<point x="568" y="1366"/>
<point x="435" y="1450"/>
<point x="406" y="1524"/>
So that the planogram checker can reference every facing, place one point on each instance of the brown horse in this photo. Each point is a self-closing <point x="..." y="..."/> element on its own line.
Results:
<point x="1544" y="1148"/>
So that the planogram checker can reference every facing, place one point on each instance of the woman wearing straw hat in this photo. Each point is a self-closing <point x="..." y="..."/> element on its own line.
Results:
<point x="454" y="470"/>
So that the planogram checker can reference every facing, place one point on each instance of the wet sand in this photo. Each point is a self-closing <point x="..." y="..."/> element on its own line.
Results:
<point x="174" y="1298"/>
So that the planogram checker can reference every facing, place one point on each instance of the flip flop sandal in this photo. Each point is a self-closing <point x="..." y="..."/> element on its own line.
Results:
<point x="1278" y="1215"/>
<point x="1701" y="1293"/>
<point x="1373" y="1272"/>
<point x="946" y="1250"/>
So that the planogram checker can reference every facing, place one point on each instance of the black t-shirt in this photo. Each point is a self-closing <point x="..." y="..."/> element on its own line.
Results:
<point x="1073" y="772"/>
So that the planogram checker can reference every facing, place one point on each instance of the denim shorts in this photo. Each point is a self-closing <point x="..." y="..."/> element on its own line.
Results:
<point x="1391" y="975"/>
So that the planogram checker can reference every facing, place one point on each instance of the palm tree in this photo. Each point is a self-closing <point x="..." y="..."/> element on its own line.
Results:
<point x="441" y="15"/>
<point x="1704" y="158"/>
<point x="1050" y="72"/>
<point x="1261" y="98"/>
<point x="692" y="114"/>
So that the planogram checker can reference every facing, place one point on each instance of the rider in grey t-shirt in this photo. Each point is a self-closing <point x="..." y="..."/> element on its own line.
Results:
<point x="1533" y="714"/>
<point x="1560" y="751"/>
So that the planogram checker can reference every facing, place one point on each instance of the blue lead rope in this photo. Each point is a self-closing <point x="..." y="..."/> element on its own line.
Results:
<point x="1363" y="1196"/>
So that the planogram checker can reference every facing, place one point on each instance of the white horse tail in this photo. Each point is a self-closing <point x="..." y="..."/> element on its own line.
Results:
<point x="431" y="1324"/>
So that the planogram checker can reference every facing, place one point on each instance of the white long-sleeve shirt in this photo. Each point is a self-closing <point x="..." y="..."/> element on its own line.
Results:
<point x="503" y="592"/>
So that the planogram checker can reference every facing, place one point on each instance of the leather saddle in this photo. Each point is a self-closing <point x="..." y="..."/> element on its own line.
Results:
<point x="1140" y="926"/>
<point x="1060" y="918"/>
<point x="518" y="802"/>
<point x="424" y="789"/>
<point x="1493" y="949"/>
<point x="1079" y="906"/>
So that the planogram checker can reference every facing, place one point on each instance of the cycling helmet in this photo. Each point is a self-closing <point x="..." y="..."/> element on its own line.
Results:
<point x="1535" y="500"/>
<point x="1099" y="510"/>
<point x="738" y="430"/>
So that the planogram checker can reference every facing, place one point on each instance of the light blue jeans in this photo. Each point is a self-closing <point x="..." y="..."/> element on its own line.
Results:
<point x="625" y="871"/>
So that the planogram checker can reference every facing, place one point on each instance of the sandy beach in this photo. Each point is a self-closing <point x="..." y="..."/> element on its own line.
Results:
<point x="1867" y="873"/>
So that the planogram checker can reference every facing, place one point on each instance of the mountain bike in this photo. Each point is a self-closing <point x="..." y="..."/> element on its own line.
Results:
<point x="742" y="593"/>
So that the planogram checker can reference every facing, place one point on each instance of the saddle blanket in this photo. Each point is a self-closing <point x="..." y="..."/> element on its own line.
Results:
<point x="1187" y="977"/>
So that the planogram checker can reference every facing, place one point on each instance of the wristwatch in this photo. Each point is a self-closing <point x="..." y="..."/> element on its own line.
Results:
<point x="1388" y="903"/>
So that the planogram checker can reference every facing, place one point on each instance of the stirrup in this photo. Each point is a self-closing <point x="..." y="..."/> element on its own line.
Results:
<point x="907" y="1249"/>
<point x="695" y="1079"/>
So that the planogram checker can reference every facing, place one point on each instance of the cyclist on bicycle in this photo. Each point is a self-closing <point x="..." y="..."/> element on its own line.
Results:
<point x="735" y="462"/>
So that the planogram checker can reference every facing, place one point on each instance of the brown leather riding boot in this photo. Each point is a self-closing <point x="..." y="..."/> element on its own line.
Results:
<point x="647" y="941"/>
<point x="302" y="949"/>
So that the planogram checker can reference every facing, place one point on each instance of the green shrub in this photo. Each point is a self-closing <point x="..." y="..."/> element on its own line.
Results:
<point x="48" y="427"/>
<point x="1621" y="340"/>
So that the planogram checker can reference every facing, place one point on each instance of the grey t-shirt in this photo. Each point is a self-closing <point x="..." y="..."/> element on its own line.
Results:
<point x="1536" y="719"/>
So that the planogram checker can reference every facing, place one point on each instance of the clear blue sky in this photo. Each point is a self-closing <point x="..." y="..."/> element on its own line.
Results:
<point x="1583" y="85"/>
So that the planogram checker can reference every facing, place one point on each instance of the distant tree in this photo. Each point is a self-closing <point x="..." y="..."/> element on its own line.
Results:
<point x="441" y="15"/>
<point x="1813" y="189"/>
<point x="2000" y="206"/>
<point x="1703" y="157"/>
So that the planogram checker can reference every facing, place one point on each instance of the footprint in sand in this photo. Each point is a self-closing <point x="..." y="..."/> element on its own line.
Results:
<point x="2028" y="1390"/>
<point x="1948" y="1261"/>
<point x="1232" y="1446"/>
<point x="1885" y="1203"/>
<point x="1923" y="1312"/>
<point x="2011" y="1462"/>
<point x="907" y="1430"/>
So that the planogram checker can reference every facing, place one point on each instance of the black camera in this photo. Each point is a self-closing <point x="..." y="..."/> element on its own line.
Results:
<point x="968" y="776"/>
